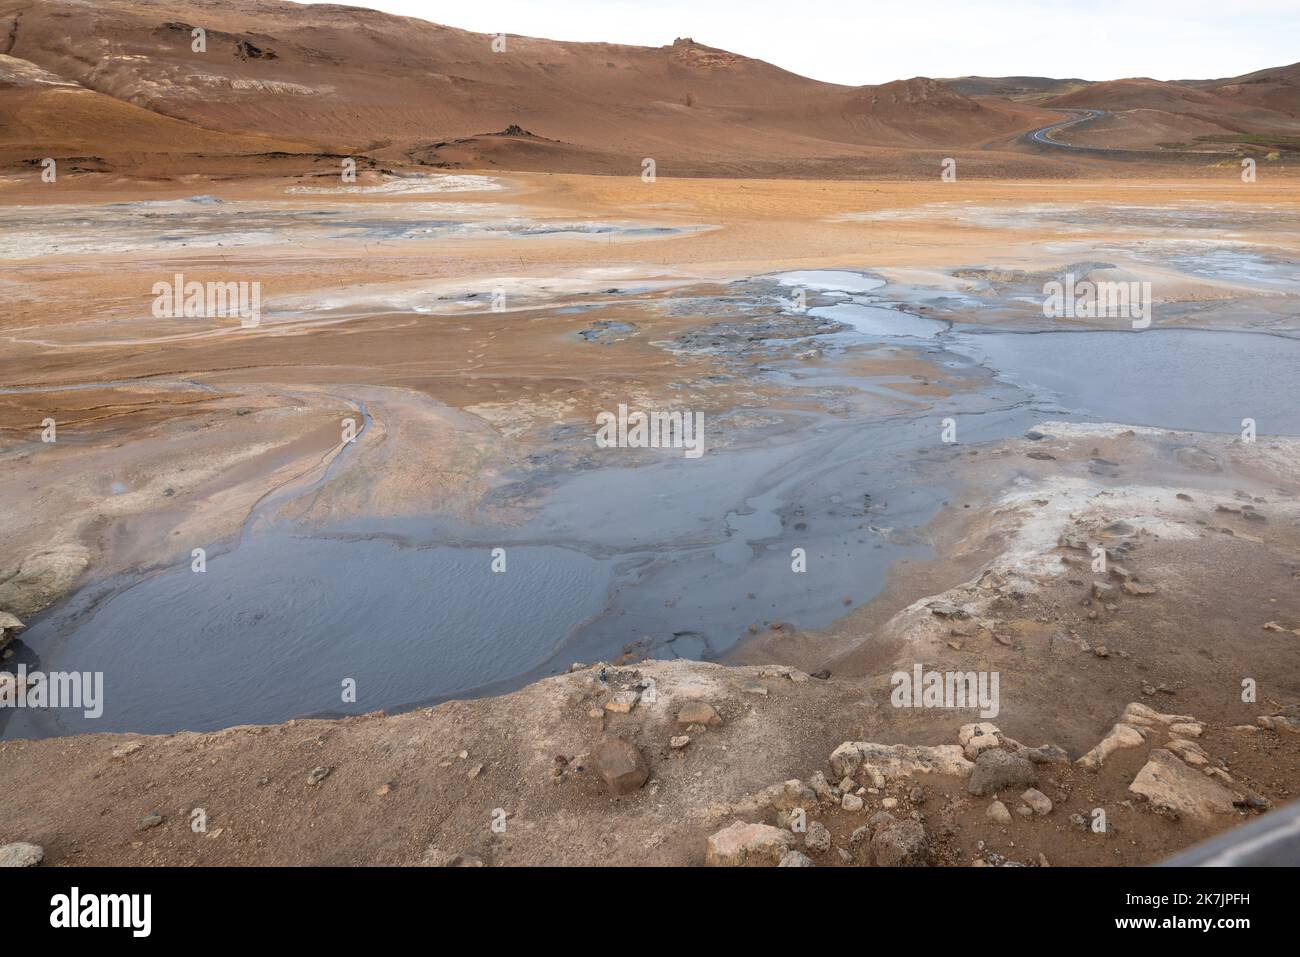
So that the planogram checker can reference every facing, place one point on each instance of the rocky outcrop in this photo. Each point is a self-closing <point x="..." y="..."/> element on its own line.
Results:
<point x="863" y="759"/>
<point x="1172" y="787"/>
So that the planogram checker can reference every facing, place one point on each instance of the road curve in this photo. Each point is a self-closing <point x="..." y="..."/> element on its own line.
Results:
<point x="1043" y="137"/>
<point x="1043" y="134"/>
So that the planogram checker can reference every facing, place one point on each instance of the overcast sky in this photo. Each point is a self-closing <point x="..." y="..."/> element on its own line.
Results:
<point x="867" y="41"/>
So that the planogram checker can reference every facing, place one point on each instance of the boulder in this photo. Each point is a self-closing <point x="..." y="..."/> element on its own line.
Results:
<point x="818" y="838"/>
<point x="998" y="770"/>
<point x="902" y="844"/>
<point x="1170" y="785"/>
<point x="621" y="765"/>
<point x="739" y="843"/>
<point x="699" y="712"/>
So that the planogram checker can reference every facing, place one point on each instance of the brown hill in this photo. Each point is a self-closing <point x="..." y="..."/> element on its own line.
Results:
<point x="1013" y="87"/>
<point x="121" y="80"/>
<point x="1276" y="89"/>
<point x="1147" y="113"/>
<point x="348" y="79"/>
<point x="42" y="114"/>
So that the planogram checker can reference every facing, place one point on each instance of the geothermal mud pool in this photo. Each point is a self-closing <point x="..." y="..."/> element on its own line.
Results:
<point x="667" y="557"/>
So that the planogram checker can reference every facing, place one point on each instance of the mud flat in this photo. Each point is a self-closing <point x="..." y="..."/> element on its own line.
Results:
<point x="826" y="387"/>
<point x="667" y="557"/>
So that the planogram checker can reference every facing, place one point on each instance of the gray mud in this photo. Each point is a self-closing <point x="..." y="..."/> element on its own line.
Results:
<point x="643" y="552"/>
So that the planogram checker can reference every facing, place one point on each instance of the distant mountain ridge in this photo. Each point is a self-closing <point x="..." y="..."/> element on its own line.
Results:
<point x="274" y="76"/>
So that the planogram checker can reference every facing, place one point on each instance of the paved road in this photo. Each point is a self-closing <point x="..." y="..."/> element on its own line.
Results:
<point x="1041" y="135"/>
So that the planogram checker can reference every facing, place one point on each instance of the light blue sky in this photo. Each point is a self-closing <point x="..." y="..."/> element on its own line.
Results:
<point x="869" y="41"/>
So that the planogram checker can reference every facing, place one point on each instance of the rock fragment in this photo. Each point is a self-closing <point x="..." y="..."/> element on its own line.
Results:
<point x="739" y="843"/>
<point x="998" y="770"/>
<point x="621" y="765"/>
<point x="21" y="854"/>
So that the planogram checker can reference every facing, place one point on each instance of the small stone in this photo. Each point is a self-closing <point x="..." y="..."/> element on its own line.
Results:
<point x="880" y="819"/>
<point x="1101" y="651"/>
<point x="622" y="702"/>
<point x="917" y="794"/>
<point x="127" y="749"/>
<point x="946" y="609"/>
<point x="679" y="741"/>
<point x="851" y="802"/>
<point x="889" y="803"/>
<point x="998" y="812"/>
<point x="1037" y="801"/>
<point x="699" y="712"/>
<point x="318" y="775"/>
<point x="21" y="854"/>
<point x="976" y="738"/>
<point x="795" y="859"/>
<point x="152" y="819"/>
<point x="1134" y="588"/>
<point x="474" y="772"/>
<point x="818" y="838"/>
